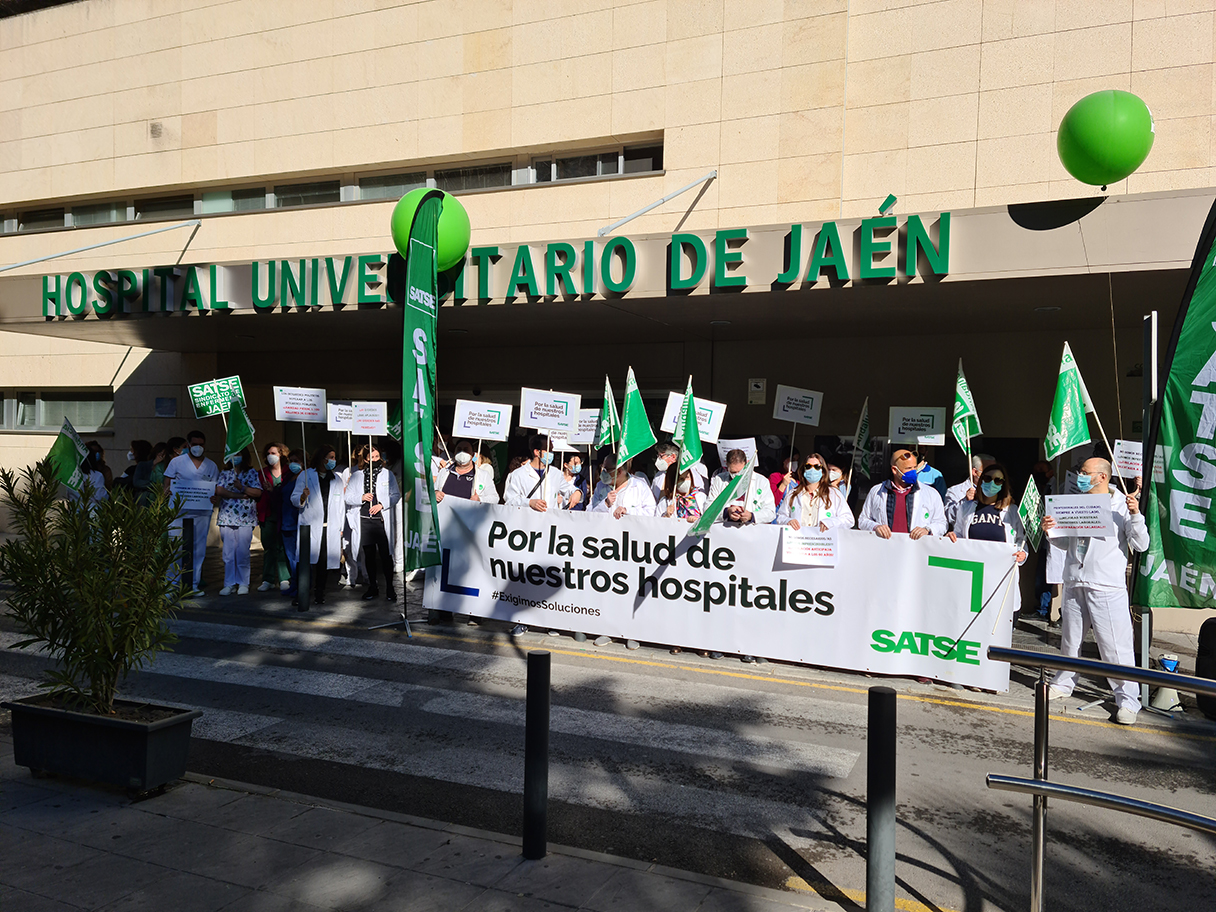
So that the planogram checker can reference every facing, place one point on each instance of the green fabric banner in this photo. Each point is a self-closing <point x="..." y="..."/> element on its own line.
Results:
<point x="1179" y="568"/>
<point x="418" y="387"/>
<point x="735" y="488"/>
<point x="1031" y="512"/>
<point x="1067" y="428"/>
<point x="67" y="452"/>
<point x="861" y="440"/>
<point x="636" y="433"/>
<point x="966" y="422"/>
<point x="240" y="431"/>
<point x="687" y="435"/>
<point x="609" y="431"/>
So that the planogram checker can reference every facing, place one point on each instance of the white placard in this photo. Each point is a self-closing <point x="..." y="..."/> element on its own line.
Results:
<point x="559" y="444"/>
<point x="481" y="420"/>
<point x="709" y="416"/>
<point x="918" y="425"/>
<point x="588" y="424"/>
<point x="1127" y="460"/>
<point x="545" y="409"/>
<point x="196" y="495"/>
<point x="369" y="419"/>
<point x="800" y="406"/>
<point x="808" y="548"/>
<point x="746" y="444"/>
<point x="1080" y="515"/>
<point x="299" y="403"/>
<point x="338" y="416"/>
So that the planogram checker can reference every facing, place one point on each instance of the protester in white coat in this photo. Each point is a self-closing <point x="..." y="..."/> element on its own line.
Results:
<point x="538" y="483"/>
<point x="192" y="467"/>
<point x="1095" y="589"/>
<point x="620" y="492"/>
<point x="465" y="477"/>
<point x="319" y="497"/>
<point x="666" y="455"/>
<point x="992" y="514"/>
<point x="813" y="502"/>
<point x="680" y="497"/>
<point x="754" y="505"/>
<point x="900" y="504"/>
<point x="371" y="494"/>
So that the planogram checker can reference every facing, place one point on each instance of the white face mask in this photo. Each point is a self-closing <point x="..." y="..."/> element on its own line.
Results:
<point x="606" y="477"/>
<point x="660" y="464"/>
<point x="130" y="456"/>
<point x="272" y="459"/>
<point x="834" y="475"/>
<point x="462" y="458"/>
<point x="684" y="486"/>
<point x="196" y="451"/>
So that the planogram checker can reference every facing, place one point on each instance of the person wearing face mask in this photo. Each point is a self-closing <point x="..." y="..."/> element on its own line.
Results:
<point x="666" y="455"/>
<point x="572" y="471"/>
<point x="139" y="469"/>
<point x="965" y="490"/>
<point x="902" y="505"/>
<point x="620" y="492"/>
<point x="289" y="521"/>
<point x="930" y="477"/>
<point x="192" y="467"/>
<point x="162" y="455"/>
<point x="96" y="458"/>
<point x="839" y="480"/>
<point x="319" y="496"/>
<point x="94" y="479"/>
<point x="680" y="498"/>
<point x="371" y="494"/>
<point x="276" y="574"/>
<point x="464" y="478"/>
<point x="781" y="482"/>
<point x="1095" y="588"/>
<point x="237" y="491"/>
<point x="756" y="503"/>
<point x="813" y="502"/>
<point x="537" y="483"/>
<point x="992" y="514"/>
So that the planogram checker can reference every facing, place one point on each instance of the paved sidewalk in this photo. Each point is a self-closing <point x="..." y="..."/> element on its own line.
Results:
<point x="206" y="845"/>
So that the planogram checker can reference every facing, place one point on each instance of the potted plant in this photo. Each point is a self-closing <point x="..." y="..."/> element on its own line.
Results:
<point x="93" y="584"/>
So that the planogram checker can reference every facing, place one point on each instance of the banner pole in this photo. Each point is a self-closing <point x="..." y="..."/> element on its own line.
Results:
<point x="224" y="418"/>
<point x="350" y="455"/>
<point x="303" y="444"/>
<point x="793" y="431"/>
<point x="1114" y="468"/>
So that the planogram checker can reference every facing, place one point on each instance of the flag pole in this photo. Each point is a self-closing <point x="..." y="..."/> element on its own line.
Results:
<point x="1114" y="468"/>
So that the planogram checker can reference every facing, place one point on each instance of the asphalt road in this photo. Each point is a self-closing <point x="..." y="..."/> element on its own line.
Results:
<point x="751" y="772"/>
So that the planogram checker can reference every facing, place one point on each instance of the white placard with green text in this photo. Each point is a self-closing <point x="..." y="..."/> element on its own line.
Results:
<point x="547" y="410"/>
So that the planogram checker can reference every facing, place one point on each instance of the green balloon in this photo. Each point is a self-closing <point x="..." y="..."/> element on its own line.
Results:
<point x="453" y="232"/>
<point x="1105" y="136"/>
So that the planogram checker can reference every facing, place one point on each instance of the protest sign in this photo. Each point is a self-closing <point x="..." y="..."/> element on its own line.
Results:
<point x="746" y="444"/>
<point x="1080" y="515"/>
<point x="901" y="607"/>
<point x="338" y="416"/>
<point x="808" y="547"/>
<point x="1127" y="460"/>
<point x="917" y="425"/>
<point x="369" y="419"/>
<point x="588" y="424"/>
<point x="481" y="420"/>
<point x="196" y="495"/>
<point x="800" y="406"/>
<point x="709" y="416"/>
<point x="547" y="410"/>
<point x="214" y="397"/>
<point x="1030" y="511"/>
<point x="298" y="403"/>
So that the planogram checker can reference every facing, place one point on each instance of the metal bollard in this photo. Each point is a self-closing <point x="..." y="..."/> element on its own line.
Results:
<point x="880" y="802"/>
<point x="536" y="757"/>
<point x="1038" y="834"/>
<point x="187" y="577"/>
<point x="304" y="569"/>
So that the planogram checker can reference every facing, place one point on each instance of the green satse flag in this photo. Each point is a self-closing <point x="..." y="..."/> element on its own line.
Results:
<point x="67" y="452"/>
<point x="394" y="420"/>
<point x="861" y="439"/>
<point x="636" y="434"/>
<point x="1179" y="567"/>
<point x="421" y="542"/>
<point x="1067" y="427"/>
<point x="609" y="431"/>
<point x="728" y="494"/>
<point x="240" y="431"/>
<point x="1031" y="512"/>
<point x="966" y="422"/>
<point x="687" y="435"/>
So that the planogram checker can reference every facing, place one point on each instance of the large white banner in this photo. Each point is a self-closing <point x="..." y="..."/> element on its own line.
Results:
<point x="925" y="608"/>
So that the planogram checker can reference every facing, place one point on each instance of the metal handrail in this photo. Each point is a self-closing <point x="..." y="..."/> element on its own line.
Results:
<point x="1033" y="659"/>
<point x="1162" y="812"/>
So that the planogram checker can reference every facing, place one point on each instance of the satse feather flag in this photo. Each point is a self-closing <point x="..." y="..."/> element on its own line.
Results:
<point x="687" y="435"/>
<point x="240" y="430"/>
<point x="861" y="439"/>
<point x="966" y="422"/>
<point x="1067" y="427"/>
<point x="636" y="434"/>
<point x="609" y="431"/>
<point x="67" y="452"/>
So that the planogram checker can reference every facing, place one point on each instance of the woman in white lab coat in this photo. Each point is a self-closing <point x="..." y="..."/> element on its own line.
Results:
<point x="463" y="477"/>
<point x="620" y="492"/>
<point x="371" y="495"/>
<point x="319" y="497"/>
<point x="681" y="498"/>
<point x="814" y="502"/>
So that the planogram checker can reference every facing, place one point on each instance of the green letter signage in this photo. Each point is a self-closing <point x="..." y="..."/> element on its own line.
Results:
<point x="676" y="281"/>
<point x="870" y="247"/>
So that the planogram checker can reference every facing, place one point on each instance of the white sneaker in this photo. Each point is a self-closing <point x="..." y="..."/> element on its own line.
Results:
<point x="242" y="590"/>
<point x="1125" y="717"/>
<point x="1057" y="693"/>
<point x="266" y="586"/>
<point x="228" y="590"/>
<point x="284" y="585"/>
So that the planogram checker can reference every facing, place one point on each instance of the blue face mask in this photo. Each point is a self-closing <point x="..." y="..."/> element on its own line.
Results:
<point x="812" y="475"/>
<point x="546" y="458"/>
<point x="990" y="488"/>
<point x="909" y="477"/>
<point x="576" y="468"/>
<point x="236" y="460"/>
<point x="330" y="463"/>
<point x="1085" y="483"/>
<point x="294" y="468"/>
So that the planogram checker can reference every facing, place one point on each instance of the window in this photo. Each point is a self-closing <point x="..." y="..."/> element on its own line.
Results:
<point x="480" y="178"/>
<point x="307" y="194"/>
<point x="99" y="214"/>
<point x="167" y="207"/>
<point x="390" y="186"/>
<point x="41" y="218"/>
<point x="234" y="200"/>
<point x="88" y="410"/>
<point x="600" y="164"/>
<point x="643" y="158"/>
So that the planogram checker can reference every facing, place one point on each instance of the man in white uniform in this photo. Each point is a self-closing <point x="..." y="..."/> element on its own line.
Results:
<point x="965" y="490"/>
<point x="1095" y="589"/>
<point x="755" y="505"/>
<point x="192" y="467"/>
<point x="901" y="503"/>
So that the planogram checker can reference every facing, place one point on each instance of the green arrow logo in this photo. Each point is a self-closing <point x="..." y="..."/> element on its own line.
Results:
<point x="975" y="568"/>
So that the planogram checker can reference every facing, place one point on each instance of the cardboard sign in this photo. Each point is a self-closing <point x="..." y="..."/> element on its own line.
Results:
<point x="709" y="416"/>
<point x="808" y="548"/>
<point x="746" y="444"/>
<point x="1031" y="512"/>
<point x="369" y="419"/>
<point x="588" y="423"/>
<point x="338" y="416"/>
<point x="196" y="495"/>
<point x="299" y="403"/>
<point x="481" y="420"/>
<point x="1127" y="460"/>
<point x="800" y="406"/>
<point x="214" y="397"/>
<point x="918" y="425"/>
<point x="1080" y="515"/>
<point x="547" y="410"/>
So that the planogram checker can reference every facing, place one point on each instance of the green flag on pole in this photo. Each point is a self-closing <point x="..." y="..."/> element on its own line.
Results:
<point x="418" y="386"/>
<point x="733" y="490"/>
<point x="861" y="439"/>
<point x="636" y="434"/>
<point x="966" y="422"/>
<point x="609" y="431"/>
<point x="67" y="452"/>
<point x="1031" y="512"/>
<point x="1068" y="428"/>
<point x="687" y="435"/>
<point x="240" y="430"/>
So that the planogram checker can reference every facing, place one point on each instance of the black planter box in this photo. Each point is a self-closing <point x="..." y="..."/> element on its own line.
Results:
<point x="137" y="756"/>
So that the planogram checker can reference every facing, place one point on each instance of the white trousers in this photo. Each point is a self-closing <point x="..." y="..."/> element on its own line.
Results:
<point x="236" y="541"/>
<point x="1106" y="612"/>
<point x="202" y="525"/>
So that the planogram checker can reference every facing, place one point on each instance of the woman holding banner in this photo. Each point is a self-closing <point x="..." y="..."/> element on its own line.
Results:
<point x="371" y="494"/>
<point x="237" y="491"/>
<point x="680" y="498"/>
<point x="992" y="515"/>
<point x="813" y="502"/>
<point x="464" y="478"/>
<point x="620" y="492"/>
<point x="319" y="497"/>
